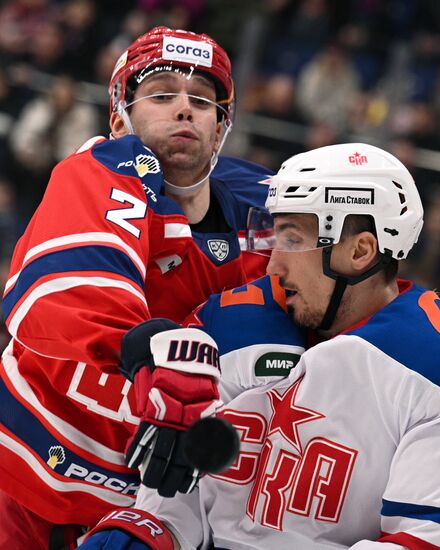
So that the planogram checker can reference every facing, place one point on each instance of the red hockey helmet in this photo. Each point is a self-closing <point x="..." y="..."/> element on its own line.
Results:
<point x="162" y="46"/>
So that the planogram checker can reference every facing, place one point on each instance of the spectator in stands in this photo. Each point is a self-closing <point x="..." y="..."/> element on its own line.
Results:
<point x="327" y="87"/>
<point x="296" y="31"/>
<point x="52" y="126"/>
<point x="20" y="22"/>
<point x="12" y="100"/>
<point x="277" y="101"/>
<point x="82" y="30"/>
<point x="10" y="229"/>
<point x="49" y="128"/>
<point x="46" y="50"/>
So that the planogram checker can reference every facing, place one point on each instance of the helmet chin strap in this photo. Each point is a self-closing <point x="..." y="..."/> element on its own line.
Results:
<point x="190" y="189"/>
<point x="125" y="117"/>
<point x="168" y="186"/>
<point x="342" y="281"/>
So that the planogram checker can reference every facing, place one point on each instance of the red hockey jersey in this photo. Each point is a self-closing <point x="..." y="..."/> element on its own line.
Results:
<point x="104" y="251"/>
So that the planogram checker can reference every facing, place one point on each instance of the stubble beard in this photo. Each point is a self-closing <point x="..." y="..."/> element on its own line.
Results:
<point x="307" y="318"/>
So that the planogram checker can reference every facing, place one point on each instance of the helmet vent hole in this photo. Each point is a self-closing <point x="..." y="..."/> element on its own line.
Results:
<point x="400" y="254"/>
<point x="307" y="169"/>
<point x="402" y="198"/>
<point x="404" y="209"/>
<point x="312" y="189"/>
<point x="291" y="189"/>
<point x="397" y="184"/>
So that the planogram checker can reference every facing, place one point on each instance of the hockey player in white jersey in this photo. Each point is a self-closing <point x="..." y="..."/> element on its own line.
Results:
<point x="344" y="453"/>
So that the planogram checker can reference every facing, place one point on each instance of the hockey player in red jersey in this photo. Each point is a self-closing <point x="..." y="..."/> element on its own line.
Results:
<point x="344" y="451"/>
<point x="147" y="223"/>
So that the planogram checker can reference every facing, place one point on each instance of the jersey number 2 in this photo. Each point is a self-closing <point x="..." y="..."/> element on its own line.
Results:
<point x="120" y="216"/>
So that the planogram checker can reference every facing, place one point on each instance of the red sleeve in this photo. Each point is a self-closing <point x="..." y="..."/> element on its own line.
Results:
<point x="78" y="273"/>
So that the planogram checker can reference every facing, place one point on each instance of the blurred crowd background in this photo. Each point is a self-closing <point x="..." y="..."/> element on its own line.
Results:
<point x="308" y="73"/>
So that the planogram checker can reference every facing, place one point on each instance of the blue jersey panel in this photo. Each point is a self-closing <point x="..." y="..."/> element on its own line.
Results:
<point x="248" y="183"/>
<point x="128" y="156"/>
<point x="240" y="325"/>
<point x="403" y="331"/>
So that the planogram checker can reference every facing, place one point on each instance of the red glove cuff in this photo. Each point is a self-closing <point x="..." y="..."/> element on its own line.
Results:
<point x="140" y="524"/>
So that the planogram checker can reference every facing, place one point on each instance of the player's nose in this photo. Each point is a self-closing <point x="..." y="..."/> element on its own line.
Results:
<point x="275" y="265"/>
<point x="184" y="108"/>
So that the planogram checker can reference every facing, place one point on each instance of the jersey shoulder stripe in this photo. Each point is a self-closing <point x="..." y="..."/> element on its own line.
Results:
<point x="392" y="330"/>
<point x="60" y="243"/>
<point x="82" y="258"/>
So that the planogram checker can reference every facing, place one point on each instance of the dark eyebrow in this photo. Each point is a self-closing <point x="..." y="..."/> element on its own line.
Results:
<point x="286" y="225"/>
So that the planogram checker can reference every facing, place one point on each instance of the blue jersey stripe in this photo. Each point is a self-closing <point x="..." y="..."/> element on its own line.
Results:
<point x="414" y="511"/>
<point x="25" y="426"/>
<point x="81" y="258"/>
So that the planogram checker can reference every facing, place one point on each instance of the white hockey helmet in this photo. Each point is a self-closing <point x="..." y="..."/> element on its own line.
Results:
<point x="351" y="178"/>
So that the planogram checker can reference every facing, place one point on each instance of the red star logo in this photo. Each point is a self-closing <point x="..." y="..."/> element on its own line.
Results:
<point x="287" y="416"/>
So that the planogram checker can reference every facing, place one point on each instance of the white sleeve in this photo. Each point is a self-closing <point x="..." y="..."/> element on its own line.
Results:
<point x="410" y="514"/>
<point x="181" y="514"/>
<point x="249" y="367"/>
<point x="411" y="501"/>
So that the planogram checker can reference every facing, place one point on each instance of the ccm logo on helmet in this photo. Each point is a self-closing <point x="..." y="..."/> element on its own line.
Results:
<point x="188" y="51"/>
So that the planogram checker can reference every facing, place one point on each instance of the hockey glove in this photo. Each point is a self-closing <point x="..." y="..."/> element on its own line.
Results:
<point x="130" y="529"/>
<point x="175" y="372"/>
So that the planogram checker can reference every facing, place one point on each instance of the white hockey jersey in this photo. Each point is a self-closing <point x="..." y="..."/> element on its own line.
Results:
<point x="343" y="453"/>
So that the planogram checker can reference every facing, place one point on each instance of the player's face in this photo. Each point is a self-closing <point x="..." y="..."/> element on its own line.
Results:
<point x="182" y="130"/>
<point x="300" y="269"/>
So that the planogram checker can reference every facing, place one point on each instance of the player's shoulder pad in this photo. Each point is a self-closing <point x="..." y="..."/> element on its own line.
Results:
<point x="246" y="179"/>
<point x="252" y="314"/>
<point x="128" y="156"/>
<point x="408" y="330"/>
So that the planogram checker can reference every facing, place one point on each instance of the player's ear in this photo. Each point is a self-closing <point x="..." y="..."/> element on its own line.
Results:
<point x="117" y="125"/>
<point x="218" y="136"/>
<point x="364" y="251"/>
